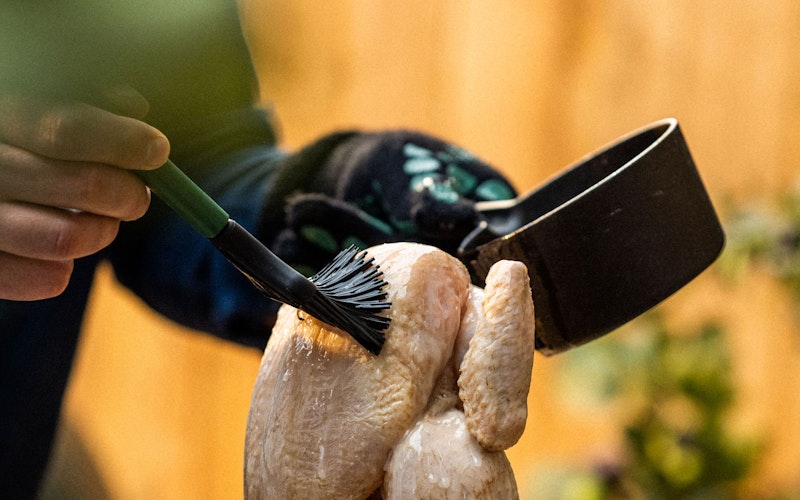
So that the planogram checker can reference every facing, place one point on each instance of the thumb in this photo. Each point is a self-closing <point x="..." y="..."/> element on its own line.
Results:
<point x="122" y="100"/>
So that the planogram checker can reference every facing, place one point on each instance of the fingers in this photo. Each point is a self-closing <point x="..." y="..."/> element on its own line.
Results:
<point x="44" y="226"/>
<point x="27" y="279"/>
<point x="39" y="244"/>
<point x="52" y="234"/>
<point x="122" y="100"/>
<point x="89" y="187"/>
<point x="64" y="184"/>
<point x="80" y="132"/>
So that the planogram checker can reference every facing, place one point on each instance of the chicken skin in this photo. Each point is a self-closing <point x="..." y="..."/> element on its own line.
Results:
<point x="330" y="420"/>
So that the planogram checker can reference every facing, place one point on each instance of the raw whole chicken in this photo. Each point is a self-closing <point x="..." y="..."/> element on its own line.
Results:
<point x="427" y="418"/>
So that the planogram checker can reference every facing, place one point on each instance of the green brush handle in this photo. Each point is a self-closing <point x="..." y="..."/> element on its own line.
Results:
<point x="186" y="198"/>
<point x="266" y="270"/>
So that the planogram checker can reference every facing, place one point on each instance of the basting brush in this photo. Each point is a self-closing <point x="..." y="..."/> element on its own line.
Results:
<point x="347" y="293"/>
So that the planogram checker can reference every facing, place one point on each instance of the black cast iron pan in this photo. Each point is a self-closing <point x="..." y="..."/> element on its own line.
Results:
<point x="606" y="240"/>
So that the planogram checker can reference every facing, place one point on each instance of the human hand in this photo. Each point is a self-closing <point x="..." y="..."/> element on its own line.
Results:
<point x="427" y="418"/>
<point x="371" y="188"/>
<point x="65" y="184"/>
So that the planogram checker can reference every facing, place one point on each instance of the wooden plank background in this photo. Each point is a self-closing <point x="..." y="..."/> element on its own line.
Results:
<point x="157" y="411"/>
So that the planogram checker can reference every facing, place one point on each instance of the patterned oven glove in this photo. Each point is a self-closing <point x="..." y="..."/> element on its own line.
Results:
<point x="371" y="188"/>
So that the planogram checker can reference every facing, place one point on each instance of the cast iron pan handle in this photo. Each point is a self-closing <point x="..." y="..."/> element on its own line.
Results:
<point x="609" y="238"/>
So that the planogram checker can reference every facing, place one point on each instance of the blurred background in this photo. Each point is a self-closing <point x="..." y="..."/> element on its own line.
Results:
<point x="700" y="399"/>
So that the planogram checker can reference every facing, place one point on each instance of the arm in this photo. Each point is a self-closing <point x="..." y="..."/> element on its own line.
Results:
<point x="190" y="66"/>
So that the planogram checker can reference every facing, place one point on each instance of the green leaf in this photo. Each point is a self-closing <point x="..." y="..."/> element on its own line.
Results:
<point x="411" y="150"/>
<point x="463" y="182"/>
<point x="416" y="166"/>
<point x="494" y="189"/>
<point x="319" y="237"/>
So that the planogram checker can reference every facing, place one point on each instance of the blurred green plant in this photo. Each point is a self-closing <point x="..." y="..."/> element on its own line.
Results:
<point x="765" y="236"/>
<point x="678" y="389"/>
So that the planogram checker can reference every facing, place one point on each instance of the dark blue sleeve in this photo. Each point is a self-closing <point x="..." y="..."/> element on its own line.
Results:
<point x="37" y="344"/>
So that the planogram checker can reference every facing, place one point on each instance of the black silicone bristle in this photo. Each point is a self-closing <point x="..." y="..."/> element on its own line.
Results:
<point x="350" y="296"/>
<point x="347" y="293"/>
